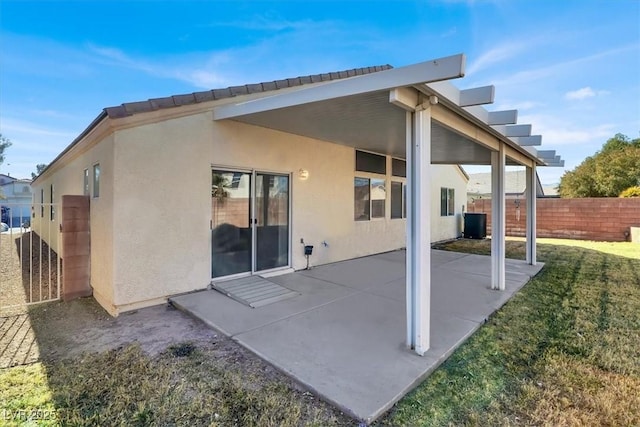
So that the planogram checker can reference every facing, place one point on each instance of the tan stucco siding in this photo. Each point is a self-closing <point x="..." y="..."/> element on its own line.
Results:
<point x="322" y="205"/>
<point x="161" y="209"/>
<point x="69" y="180"/>
<point x="162" y="202"/>
<point x="447" y="227"/>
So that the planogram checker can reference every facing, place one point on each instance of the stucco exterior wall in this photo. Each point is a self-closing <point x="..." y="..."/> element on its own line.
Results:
<point x="150" y="227"/>
<point x="69" y="180"/>
<point x="447" y="227"/>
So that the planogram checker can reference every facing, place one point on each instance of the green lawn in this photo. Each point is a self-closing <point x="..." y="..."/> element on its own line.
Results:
<point x="564" y="351"/>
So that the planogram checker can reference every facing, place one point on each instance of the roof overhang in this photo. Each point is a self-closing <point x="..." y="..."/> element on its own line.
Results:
<point x="367" y="112"/>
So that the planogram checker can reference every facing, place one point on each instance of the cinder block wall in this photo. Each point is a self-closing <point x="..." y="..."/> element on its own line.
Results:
<point x="601" y="219"/>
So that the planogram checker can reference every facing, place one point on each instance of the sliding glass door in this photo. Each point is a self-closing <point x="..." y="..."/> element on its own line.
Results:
<point x="250" y="222"/>
<point x="272" y="221"/>
<point x="231" y="231"/>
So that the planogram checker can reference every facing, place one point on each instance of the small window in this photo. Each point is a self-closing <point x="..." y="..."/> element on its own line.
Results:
<point x="369" y="162"/>
<point x="96" y="180"/>
<point x="447" y="202"/>
<point x="85" y="185"/>
<point x="397" y="206"/>
<point x="52" y="210"/>
<point x="378" y="198"/>
<point x="42" y="203"/>
<point x="399" y="168"/>
<point x="361" y="199"/>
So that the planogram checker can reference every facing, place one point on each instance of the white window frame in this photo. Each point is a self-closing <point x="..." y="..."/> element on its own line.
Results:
<point x="450" y="202"/>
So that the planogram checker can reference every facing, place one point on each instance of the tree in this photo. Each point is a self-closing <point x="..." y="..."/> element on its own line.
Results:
<point x="39" y="168"/>
<point x="607" y="173"/>
<point x="4" y="144"/>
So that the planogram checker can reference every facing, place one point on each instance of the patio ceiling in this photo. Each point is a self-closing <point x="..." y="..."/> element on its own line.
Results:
<point x="357" y="112"/>
<point x="368" y="122"/>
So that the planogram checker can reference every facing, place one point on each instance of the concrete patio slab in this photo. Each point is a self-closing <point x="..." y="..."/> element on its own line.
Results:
<point x="344" y="336"/>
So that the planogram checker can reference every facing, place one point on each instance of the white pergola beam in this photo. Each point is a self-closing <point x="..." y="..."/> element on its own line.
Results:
<point x="518" y="130"/>
<point x="531" y="215"/>
<point x="477" y="96"/>
<point x="498" y="219"/>
<point x="547" y="154"/>
<point x="507" y="117"/>
<point x="528" y="140"/>
<point x="419" y="230"/>
<point x="514" y="130"/>
<point x="450" y="67"/>
<point x="556" y="164"/>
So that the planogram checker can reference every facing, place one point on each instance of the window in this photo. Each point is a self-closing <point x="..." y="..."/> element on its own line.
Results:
<point x="447" y="202"/>
<point x="85" y="185"/>
<point x="369" y="162"/>
<point x="52" y="211"/>
<point x="399" y="168"/>
<point x="378" y="197"/>
<point x="362" y="207"/>
<point x="370" y="197"/>
<point x="397" y="199"/>
<point x="96" y="180"/>
<point x="42" y="203"/>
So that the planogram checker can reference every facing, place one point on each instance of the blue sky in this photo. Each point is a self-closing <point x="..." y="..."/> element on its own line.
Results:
<point x="571" y="68"/>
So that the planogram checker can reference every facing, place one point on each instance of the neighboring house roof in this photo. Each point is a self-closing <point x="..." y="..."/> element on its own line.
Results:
<point x="515" y="182"/>
<point x="550" y="190"/>
<point x="6" y="178"/>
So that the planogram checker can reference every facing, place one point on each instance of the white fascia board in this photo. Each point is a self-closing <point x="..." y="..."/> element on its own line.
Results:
<point x="528" y="140"/>
<point x="506" y="117"/>
<point x="477" y="96"/>
<point x="450" y="67"/>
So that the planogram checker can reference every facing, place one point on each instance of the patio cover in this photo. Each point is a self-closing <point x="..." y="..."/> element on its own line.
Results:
<point x="413" y="113"/>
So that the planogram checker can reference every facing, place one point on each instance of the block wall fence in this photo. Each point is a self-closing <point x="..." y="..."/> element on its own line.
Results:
<point x="600" y="219"/>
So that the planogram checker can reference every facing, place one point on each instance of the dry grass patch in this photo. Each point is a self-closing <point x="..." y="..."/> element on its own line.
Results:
<point x="185" y="386"/>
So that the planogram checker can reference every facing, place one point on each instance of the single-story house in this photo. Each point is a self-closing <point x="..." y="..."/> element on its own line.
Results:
<point x="348" y="162"/>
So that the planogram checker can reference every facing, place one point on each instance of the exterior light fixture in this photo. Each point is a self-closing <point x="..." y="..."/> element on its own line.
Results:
<point x="303" y="174"/>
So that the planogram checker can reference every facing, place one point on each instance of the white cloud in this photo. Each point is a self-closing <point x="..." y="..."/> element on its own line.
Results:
<point x="584" y="93"/>
<point x="557" y="69"/>
<point x="497" y="54"/>
<point x="556" y="132"/>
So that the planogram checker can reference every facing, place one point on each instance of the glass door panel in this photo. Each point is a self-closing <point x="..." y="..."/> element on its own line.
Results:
<point x="271" y="221"/>
<point x="231" y="233"/>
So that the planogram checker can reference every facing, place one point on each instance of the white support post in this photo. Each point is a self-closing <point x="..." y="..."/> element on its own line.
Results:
<point x="498" y="219"/>
<point x="419" y="229"/>
<point x="531" y="214"/>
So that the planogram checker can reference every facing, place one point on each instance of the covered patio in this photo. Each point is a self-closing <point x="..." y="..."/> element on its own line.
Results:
<point x="343" y="335"/>
<point x="414" y="113"/>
